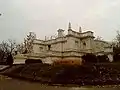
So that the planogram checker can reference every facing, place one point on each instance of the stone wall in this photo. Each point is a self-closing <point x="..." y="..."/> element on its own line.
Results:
<point x="100" y="46"/>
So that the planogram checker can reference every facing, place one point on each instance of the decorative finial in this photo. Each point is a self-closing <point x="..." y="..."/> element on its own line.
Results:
<point x="69" y="27"/>
<point x="45" y="38"/>
<point x="80" y="30"/>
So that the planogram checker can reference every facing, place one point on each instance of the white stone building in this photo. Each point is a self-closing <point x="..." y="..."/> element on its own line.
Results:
<point x="70" y="46"/>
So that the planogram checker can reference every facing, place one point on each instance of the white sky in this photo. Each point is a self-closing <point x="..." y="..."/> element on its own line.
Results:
<point x="44" y="17"/>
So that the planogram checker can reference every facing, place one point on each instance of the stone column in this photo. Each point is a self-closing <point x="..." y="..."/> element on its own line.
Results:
<point x="110" y="56"/>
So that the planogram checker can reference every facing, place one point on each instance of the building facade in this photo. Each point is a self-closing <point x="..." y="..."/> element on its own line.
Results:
<point x="73" y="45"/>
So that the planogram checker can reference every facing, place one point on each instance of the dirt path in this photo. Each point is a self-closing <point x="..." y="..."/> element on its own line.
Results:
<point x="14" y="84"/>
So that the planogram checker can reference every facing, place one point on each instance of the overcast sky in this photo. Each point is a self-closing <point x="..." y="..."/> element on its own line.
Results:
<point x="44" y="17"/>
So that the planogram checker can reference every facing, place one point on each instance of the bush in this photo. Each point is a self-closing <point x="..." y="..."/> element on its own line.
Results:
<point x="30" y="61"/>
<point x="116" y="56"/>
<point x="65" y="74"/>
<point x="9" y="60"/>
<point x="89" y="58"/>
<point x="103" y="58"/>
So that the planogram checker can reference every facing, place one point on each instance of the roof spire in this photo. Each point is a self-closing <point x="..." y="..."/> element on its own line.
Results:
<point x="69" y="26"/>
<point x="80" y="30"/>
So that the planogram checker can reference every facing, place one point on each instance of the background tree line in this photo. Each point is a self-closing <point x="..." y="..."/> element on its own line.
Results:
<point x="9" y="48"/>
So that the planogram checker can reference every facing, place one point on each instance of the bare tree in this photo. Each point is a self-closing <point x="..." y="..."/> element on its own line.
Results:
<point x="1" y="54"/>
<point x="7" y="48"/>
<point x="116" y="47"/>
<point x="20" y="48"/>
<point x="118" y="39"/>
<point x="4" y="46"/>
<point x="28" y="42"/>
<point x="11" y="45"/>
